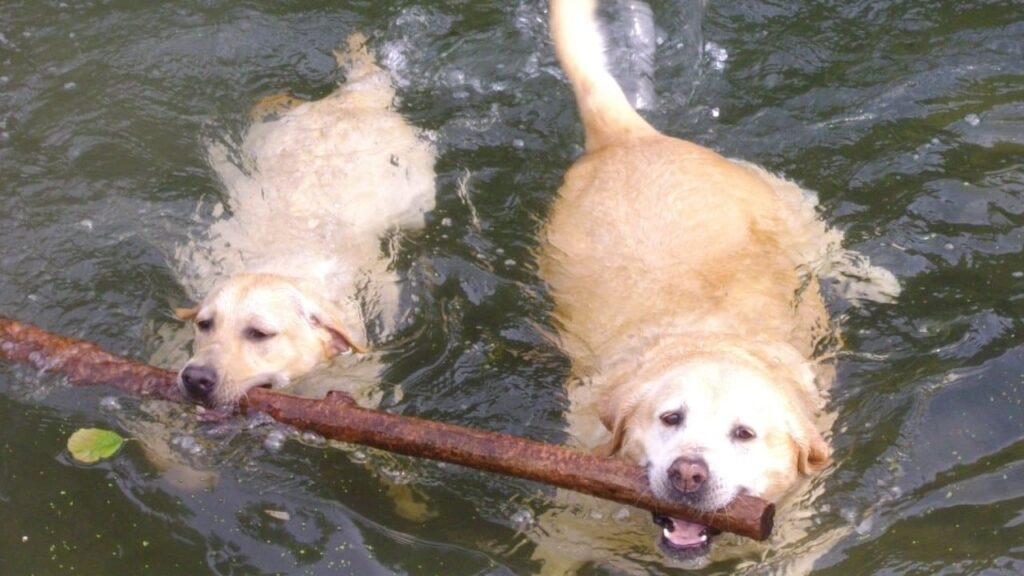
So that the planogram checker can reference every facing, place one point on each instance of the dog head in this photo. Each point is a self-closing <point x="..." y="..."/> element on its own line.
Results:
<point x="712" y="425"/>
<point x="259" y="330"/>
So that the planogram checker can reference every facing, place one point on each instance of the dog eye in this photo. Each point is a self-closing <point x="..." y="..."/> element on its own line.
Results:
<point x="672" y="418"/>
<point x="257" y="335"/>
<point x="204" y="325"/>
<point x="743" y="434"/>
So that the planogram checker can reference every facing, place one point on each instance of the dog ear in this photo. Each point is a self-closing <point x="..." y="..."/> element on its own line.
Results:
<point x="813" y="456"/>
<point x="812" y="450"/>
<point x="615" y="410"/>
<point x="328" y="317"/>
<point x="339" y="341"/>
<point x="614" y="446"/>
<point x="186" y="313"/>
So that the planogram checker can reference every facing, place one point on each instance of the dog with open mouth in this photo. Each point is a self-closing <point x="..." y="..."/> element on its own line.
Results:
<point x="312" y="192"/>
<point x="686" y="291"/>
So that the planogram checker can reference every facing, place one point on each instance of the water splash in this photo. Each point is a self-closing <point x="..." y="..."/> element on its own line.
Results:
<point x="634" y="42"/>
<point x="670" y="43"/>
<point x="716" y="54"/>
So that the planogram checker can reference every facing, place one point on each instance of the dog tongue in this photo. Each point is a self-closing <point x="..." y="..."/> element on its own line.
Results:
<point x="684" y="534"/>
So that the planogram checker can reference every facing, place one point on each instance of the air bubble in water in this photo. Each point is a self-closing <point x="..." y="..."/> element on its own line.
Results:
<point x="221" y="430"/>
<point x="523" y="519"/>
<point x="717" y="54"/>
<point x="274" y="440"/>
<point x="396" y="475"/>
<point x="455" y="77"/>
<point x="187" y="444"/>
<point x="715" y="112"/>
<point x="972" y="119"/>
<point x="257" y="420"/>
<point x="110" y="404"/>
<point x="849" y="515"/>
<point x="313" y="439"/>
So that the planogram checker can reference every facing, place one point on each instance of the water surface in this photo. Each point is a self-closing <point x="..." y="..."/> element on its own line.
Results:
<point x="907" y="117"/>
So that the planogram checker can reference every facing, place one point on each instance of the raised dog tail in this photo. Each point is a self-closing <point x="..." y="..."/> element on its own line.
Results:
<point x="604" y="109"/>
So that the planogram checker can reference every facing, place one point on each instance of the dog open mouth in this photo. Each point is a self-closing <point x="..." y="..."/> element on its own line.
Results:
<point x="684" y="539"/>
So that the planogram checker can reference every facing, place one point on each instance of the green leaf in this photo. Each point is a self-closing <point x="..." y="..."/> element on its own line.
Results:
<point x="91" y="445"/>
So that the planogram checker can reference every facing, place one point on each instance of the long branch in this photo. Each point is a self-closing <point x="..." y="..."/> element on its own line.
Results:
<point x="339" y="418"/>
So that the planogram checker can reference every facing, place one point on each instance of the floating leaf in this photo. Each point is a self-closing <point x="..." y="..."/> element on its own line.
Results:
<point x="91" y="445"/>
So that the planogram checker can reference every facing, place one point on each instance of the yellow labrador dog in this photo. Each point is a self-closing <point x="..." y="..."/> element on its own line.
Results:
<point x="315" y="187"/>
<point x="686" y="294"/>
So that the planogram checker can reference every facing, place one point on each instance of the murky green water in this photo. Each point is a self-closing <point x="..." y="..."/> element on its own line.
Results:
<point x="907" y="117"/>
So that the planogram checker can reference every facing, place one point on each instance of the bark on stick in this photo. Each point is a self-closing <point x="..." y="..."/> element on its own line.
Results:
<point x="339" y="418"/>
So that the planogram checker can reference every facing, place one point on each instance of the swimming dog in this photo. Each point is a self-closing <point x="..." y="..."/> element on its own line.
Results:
<point x="318" y="185"/>
<point x="686" y="295"/>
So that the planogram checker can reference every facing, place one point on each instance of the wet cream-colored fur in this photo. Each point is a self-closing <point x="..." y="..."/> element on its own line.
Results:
<point x="287" y="273"/>
<point x="684" y="283"/>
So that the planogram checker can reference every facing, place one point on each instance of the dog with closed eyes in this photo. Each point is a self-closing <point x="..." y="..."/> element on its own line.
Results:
<point x="315" y="188"/>
<point x="686" y="295"/>
<point x="288" y="276"/>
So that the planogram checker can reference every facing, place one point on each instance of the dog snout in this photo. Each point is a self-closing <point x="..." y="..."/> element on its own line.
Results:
<point x="198" y="381"/>
<point x="688" y="475"/>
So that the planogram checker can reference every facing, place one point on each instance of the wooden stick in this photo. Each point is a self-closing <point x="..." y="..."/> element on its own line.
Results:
<point x="84" y="363"/>
<point x="339" y="418"/>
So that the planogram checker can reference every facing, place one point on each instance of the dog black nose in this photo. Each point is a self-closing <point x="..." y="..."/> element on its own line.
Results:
<point x="198" y="381"/>
<point x="688" y="475"/>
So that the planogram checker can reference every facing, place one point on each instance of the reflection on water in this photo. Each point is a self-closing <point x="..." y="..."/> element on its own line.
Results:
<point x="907" y="119"/>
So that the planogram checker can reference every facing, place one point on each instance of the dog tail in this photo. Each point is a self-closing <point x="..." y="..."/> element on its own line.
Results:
<point x="604" y="109"/>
